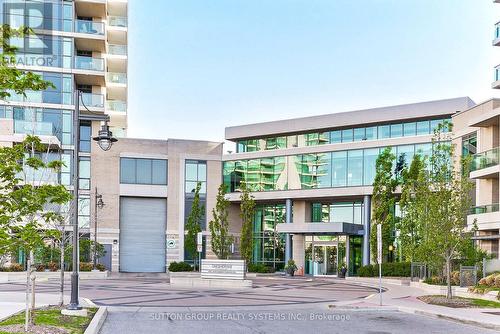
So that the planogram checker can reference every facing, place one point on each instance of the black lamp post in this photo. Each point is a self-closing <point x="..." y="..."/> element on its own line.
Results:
<point x="105" y="140"/>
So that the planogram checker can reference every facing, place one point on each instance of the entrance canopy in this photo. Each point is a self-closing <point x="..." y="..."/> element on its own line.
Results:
<point x="321" y="228"/>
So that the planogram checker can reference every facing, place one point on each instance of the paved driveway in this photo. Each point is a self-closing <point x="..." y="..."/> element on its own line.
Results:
<point x="158" y="293"/>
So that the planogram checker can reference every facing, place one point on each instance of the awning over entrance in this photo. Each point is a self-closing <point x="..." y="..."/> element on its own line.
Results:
<point x="321" y="228"/>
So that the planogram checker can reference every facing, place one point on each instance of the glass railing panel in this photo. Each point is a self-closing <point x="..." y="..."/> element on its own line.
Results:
<point x="119" y="78"/>
<point x="118" y="21"/>
<point x="39" y="176"/>
<point x="93" y="100"/>
<point x="484" y="159"/>
<point x="89" y="27"/>
<point x="485" y="209"/>
<point x="497" y="73"/>
<point x="116" y="105"/>
<point x="117" y="50"/>
<point x="35" y="128"/>
<point x="497" y="31"/>
<point x="89" y="63"/>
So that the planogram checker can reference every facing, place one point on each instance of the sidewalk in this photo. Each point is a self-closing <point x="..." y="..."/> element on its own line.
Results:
<point x="404" y="299"/>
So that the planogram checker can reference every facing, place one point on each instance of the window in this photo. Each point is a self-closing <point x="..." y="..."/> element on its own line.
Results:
<point x="371" y="133"/>
<point x="84" y="211"/>
<point x="347" y="135"/>
<point x="336" y="137"/>
<point x="195" y="172"/>
<point x="409" y="129"/>
<point x="359" y="134"/>
<point x="84" y="173"/>
<point x="384" y="131"/>
<point x="355" y="168"/>
<point x="369" y="165"/>
<point x="339" y="173"/>
<point x="396" y="130"/>
<point x="423" y="128"/>
<point x="143" y="171"/>
<point x="469" y="144"/>
<point x="85" y="136"/>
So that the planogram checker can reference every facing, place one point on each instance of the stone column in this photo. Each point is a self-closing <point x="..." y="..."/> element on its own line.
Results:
<point x="288" y="236"/>
<point x="299" y="253"/>
<point x="367" y="224"/>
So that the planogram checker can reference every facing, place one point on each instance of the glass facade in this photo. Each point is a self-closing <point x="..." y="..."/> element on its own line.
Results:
<point x="339" y="212"/>
<point x="312" y="171"/>
<point x="61" y="94"/>
<point x="424" y="127"/>
<point x="143" y="171"/>
<point x="195" y="171"/>
<point x="469" y="144"/>
<point x="268" y="246"/>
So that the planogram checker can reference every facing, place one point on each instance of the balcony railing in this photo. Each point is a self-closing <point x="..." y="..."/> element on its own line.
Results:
<point x="34" y="128"/>
<point x="116" y="105"/>
<point x="89" y="63"/>
<point x="118" y="21"/>
<point x="118" y="78"/>
<point x="117" y="50"/>
<point x="485" y="159"/>
<point x="39" y="176"/>
<point x="89" y="27"/>
<point x="93" y="100"/>
<point x="485" y="209"/>
<point x="497" y="74"/>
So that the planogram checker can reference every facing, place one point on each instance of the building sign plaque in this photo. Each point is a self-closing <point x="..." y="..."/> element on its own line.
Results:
<point x="223" y="269"/>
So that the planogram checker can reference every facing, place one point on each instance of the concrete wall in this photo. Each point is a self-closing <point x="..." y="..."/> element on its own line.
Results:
<point x="105" y="169"/>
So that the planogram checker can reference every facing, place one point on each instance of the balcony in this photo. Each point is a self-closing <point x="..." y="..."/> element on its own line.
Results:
<point x="116" y="106"/>
<point x="89" y="27"/>
<point x="496" y="78"/>
<point x="93" y="100"/>
<point x="484" y="209"/>
<point x="484" y="159"/>
<point x="34" y="128"/>
<point x="117" y="21"/>
<point x="117" y="50"/>
<point x="89" y="63"/>
<point x="116" y="78"/>
<point x="38" y="176"/>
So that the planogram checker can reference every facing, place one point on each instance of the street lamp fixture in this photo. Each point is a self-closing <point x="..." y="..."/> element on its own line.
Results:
<point x="105" y="140"/>
<point x="105" y="137"/>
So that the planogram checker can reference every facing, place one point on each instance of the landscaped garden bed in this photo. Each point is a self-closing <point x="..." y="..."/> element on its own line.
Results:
<point x="48" y="321"/>
<point x="459" y="302"/>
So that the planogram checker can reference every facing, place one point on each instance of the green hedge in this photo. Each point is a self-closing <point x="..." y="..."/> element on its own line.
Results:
<point x="179" y="266"/>
<point x="260" y="268"/>
<point x="391" y="269"/>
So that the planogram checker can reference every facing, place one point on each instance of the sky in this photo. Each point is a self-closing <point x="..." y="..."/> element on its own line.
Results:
<point x="198" y="66"/>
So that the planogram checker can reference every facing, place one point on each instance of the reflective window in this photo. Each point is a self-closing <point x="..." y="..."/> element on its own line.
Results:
<point x="359" y="134"/>
<point x="369" y="165"/>
<point x="355" y="168"/>
<point x="384" y="131"/>
<point x="143" y="171"/>
<point x="423" y="128"/>
<point x="195" y="173"/>
<point x="85" y="136"/>
<point x="339" y="169"/>
<point x="409" y="129"/>
<point x="396" y="130"/>
<point x="84" y="172"/>
<point x="347" y="135"/>
<point x="336" y="137"/>
<point x="371" y="133"/>
<point x="337" y="212"/>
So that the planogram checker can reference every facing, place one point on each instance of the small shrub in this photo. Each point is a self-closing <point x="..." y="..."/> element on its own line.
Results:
<point x="455" y="278"/>
<point x="366" y="271"/>
<point x="86" y="266"/>
<point x="100" y="267"/>
<point x="435" y="280"/>
<point x="179" y="266"/>
<point x="52" y="266"/>
<point x="490" y="280"/>
<point x="260" y="268"/>
<point x="390" y="269"/>
<point x="40" y="267"/>
<point x="497" y="281"/>
<point x="16" y="267"/>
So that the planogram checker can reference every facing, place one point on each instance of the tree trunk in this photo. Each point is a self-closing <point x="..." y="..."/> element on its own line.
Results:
<point x="61" y="285"/>
<point x="448" y="277"/>
<point x="32" y="277"/>
<point x="27" y="306"/>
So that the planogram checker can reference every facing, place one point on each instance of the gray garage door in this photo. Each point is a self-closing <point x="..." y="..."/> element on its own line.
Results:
<point x="142" y="234"/>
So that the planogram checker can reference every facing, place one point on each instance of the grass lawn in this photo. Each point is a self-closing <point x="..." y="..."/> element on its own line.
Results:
<point x="459" y="302"/>
<point x="53" y="317"/>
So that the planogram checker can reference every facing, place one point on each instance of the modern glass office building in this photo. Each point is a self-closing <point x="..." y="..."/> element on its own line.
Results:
<point x="312" y="179"/>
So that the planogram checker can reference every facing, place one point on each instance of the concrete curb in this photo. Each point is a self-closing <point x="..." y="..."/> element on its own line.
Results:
<point x="13" y="314"/>
<point x="437" y="315"/>
<point x="97" y="321"/>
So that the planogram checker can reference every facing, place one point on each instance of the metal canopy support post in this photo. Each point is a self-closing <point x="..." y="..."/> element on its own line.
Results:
<point x="367" y="224"/>
<point x="288" y="236"/>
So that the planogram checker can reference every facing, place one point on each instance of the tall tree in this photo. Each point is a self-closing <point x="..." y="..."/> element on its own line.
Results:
<point x="26" y="196"/>
<point x="383" y="201"/>
<point x="193" y="224"/>
<point x="247" y="208"/>
<point x="221" y="240"/>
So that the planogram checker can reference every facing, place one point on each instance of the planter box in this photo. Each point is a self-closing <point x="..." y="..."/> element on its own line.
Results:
<point x="20" y="276"/>
<point x="194" y="280"/>
<point x="456" y="291"/>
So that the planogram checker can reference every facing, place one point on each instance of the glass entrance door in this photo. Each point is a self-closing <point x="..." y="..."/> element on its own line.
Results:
<point x="325" y="260"/>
